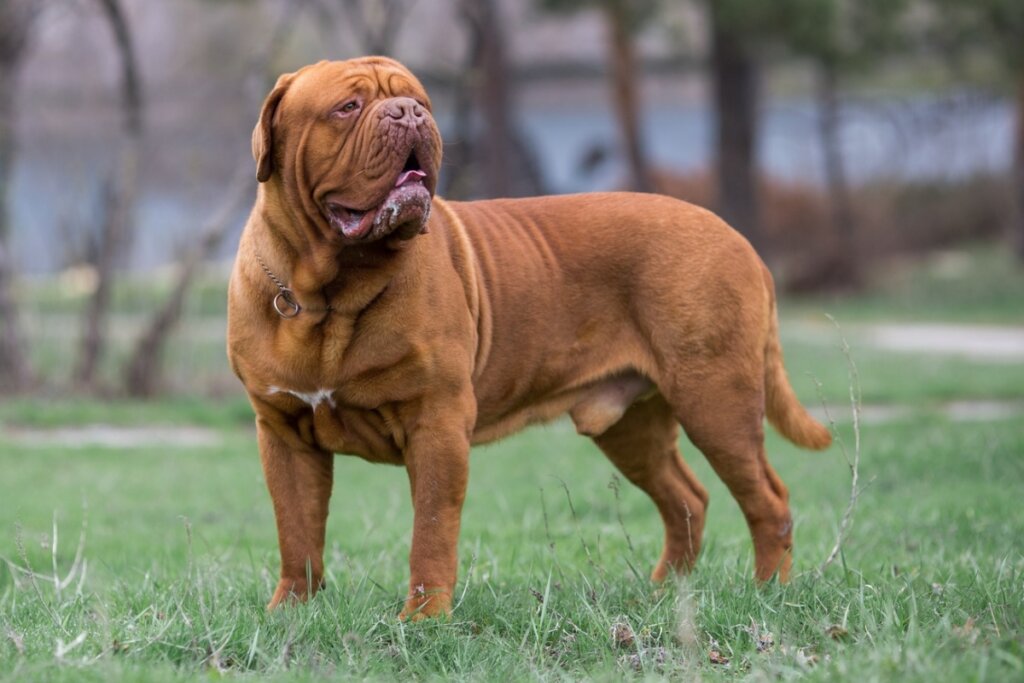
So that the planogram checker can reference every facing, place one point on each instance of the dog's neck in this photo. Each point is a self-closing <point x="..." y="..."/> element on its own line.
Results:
<point x="292" y="241"/>
<point x="324" y="276"/>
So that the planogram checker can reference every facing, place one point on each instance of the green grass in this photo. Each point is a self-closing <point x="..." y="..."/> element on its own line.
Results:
<point x="181" y="557"/>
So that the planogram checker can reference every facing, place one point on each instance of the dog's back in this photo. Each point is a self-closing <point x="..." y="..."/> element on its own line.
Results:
<point x="578" y="288"/>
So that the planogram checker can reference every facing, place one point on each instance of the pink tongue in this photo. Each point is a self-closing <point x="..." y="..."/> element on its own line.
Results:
<point x="406" y="176"/>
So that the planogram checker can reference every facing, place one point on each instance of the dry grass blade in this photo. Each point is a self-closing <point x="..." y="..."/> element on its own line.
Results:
<point x="579" y="530"/>
<point x="79" y="565"/>
<point x="27" y="570"/>
<point x="852" y="461"/>
<point x="62" y="650"/>
<point x="614" y="486"/>
<point x="17" y="640"/>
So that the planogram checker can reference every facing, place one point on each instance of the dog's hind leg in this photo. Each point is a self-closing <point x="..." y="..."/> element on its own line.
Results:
<point x="722" y="410"/>
<point x="642" y="445"/>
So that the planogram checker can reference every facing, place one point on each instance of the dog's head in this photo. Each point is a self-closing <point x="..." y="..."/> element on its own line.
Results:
<point x="355" y="144"/>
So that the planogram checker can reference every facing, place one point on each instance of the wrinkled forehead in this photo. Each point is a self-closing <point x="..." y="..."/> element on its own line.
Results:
<point x="328" y="83"/>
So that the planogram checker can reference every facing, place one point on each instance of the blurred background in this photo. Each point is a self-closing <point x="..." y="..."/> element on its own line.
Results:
<point x="872" y="150"/>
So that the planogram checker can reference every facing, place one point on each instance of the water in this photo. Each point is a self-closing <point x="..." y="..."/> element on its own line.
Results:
<point x="57" y="182"/>
<point x="915" y="138"/>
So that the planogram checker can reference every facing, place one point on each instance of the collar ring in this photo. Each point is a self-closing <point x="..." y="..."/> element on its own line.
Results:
<point x="286" y="305"/>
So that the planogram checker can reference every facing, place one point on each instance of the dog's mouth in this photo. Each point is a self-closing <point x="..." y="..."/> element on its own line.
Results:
<point x="403" y="210"/>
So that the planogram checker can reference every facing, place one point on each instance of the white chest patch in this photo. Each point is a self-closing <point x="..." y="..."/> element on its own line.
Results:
<point x="314" y="398"/>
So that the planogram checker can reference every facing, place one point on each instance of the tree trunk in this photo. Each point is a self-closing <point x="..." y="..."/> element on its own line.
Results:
<point x="1018" y="172"/>
<point x="116" y="236"/>
<point x="16" y="19"/>
<point x="15" y="371"/>
<point x="625" y="93"/>
<point x="507" y="168"/>
<point x="457" y="181"/>
<point x="844" y="265"/>
<point x="496" y="145"/>
<point x="734" y="78"/>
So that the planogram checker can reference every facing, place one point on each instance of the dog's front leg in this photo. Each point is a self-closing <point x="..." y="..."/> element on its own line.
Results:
<point x="299" y="478"/>
<point x="437" y="460"/>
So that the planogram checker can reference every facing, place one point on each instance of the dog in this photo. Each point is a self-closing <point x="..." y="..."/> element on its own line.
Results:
<point x="369" y="317"/>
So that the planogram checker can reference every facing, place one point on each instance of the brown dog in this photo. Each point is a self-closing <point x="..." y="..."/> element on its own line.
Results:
<point x="368" y="317"/>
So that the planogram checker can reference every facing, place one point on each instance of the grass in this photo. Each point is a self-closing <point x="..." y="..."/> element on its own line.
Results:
<point x="180" y="551"/>
<point x="181" y="554"/>
<point x="929" y="555"/>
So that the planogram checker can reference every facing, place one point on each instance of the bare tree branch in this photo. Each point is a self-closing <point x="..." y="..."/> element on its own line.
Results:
<point x="625" y="96"/>
<point x="375" y="23"/>
<point x="143" y="371"/>
<point x="843" y="263"/>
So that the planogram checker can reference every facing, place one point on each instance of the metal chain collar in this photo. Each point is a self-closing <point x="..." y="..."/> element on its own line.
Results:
<point x="285" y="303"/>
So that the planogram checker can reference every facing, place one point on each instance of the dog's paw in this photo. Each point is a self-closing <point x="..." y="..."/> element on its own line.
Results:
<point x="427" y="603"/>
<point x="294" y="591"/>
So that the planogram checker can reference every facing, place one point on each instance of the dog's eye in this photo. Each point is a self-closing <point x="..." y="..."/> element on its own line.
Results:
<point x="346" y="108"/>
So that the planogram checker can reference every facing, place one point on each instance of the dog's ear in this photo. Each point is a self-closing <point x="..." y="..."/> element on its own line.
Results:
<point x="263" y="133"/>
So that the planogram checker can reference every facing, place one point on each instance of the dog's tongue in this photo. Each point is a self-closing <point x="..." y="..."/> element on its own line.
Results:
<point x="407" y="176"/>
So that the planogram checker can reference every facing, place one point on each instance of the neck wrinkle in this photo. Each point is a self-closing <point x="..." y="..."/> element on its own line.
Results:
<point x="292" y="245"/>
<point x="316" y="270"/>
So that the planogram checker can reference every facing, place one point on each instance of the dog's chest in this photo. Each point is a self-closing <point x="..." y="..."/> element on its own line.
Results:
<point x="325" y="422"/>
<point x="340" y="402"/>
<point x="312" y="398"/>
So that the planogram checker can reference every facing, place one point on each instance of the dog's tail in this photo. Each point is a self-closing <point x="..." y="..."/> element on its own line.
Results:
<point x="784" y="410"/>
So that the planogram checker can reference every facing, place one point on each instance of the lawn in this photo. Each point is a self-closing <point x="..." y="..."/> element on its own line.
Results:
<point x="179" y="553"/>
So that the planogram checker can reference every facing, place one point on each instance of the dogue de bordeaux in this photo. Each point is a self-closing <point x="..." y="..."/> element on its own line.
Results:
<point x="369" y="317"/>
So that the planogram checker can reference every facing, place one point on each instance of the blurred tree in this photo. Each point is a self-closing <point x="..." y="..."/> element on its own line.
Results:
<point x="623" y="19"/>
<point x="497" y="149"/>
<point x="375" y="23"/>
<point x="736" y="26"/>
<point x="481" y="16"/>
<point x="119" y="221"/>
<point x="372" y="25"/>
<point x="741" y="34"/>
<point x="842" y="38"/>
<point x="995" y="28"/>
<point x="17" y="18"/>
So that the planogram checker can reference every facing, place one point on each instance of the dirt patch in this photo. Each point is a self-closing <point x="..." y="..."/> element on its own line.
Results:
<point x="979" y="342"/>
<point x="955" y="411"/>
<point x="114" y="437"/>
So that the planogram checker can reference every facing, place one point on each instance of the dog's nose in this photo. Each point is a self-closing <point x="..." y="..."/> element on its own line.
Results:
<point x="404" y="109"/>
